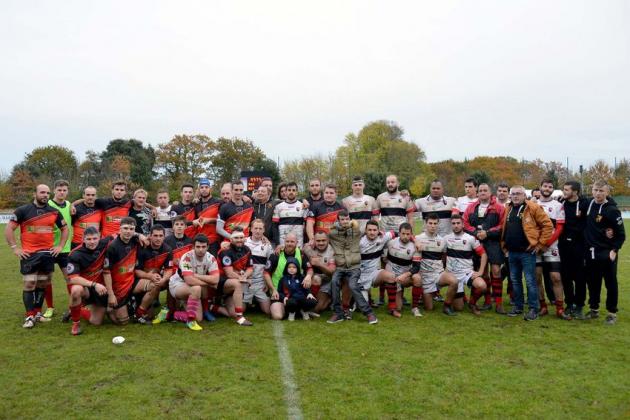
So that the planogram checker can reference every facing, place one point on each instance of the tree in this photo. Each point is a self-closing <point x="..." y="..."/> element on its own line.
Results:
<point x="21" y="186"/>
<point x="50" y="163"/>
<point x="599" y="171"/>
<point x="231" y="156"/>
<point x="301" y="171"/>
<point x="141" y="159"/>
<point x="184" y="158"/>
<point x="90" y="170"/>
<point x="621" y="181"/>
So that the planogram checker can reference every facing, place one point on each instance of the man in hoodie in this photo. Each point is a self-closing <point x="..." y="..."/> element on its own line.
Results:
<point x="602" y="250"/>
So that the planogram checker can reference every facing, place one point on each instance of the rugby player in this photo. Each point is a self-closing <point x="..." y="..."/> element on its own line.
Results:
<point x="470" y="194"/>
<point x="432" y="248"/>
<point x="361" y="207"/>
<point x="85" y="279"/>
<point x="164" y="212"/>
<point x="141" y="212"/>
<point x="235" y="213"/>
<point x="314" y="192"/>
<point x="260" y="280"/>
<point x="322" y="214"/>
<point x="37" y="252"/>
<point x="187" y="208"/>
<point x="207" y="215"/>
<point x="436" y="202"/>
<point x="393" y="208"/>
<point x="226" y="192"/>
<point x="289" y="217"/>
<point x="264" y="207"/>
<point x="460" y="247"/>
<point x="86" y="215"/>
<point x="113" y="208"/>
<point x="322" y="259"/>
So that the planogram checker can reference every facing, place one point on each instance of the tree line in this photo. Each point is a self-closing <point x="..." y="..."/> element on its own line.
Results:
<point x="375" y="151"/>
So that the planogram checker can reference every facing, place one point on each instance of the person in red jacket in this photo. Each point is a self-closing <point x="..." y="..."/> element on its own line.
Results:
<point x="483" y="219"/>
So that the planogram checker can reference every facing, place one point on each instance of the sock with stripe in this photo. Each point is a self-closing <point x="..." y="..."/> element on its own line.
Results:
<point x="391" y="295"/>
<point x="416" y="295"/>
<point x="191" y="307"/>
<point x="475" y="294"/>
<point x="497" y="289"/>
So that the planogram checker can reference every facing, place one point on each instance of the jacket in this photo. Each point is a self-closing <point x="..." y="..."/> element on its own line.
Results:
<point x="599" y="218"/>
<point x="290" y="286"/>
<point x="536" y="224"/>
<point x="492" y="223"/>
<point x="345" y="243"/>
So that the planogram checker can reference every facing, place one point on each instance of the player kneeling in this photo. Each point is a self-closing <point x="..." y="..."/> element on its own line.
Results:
<point x="85" y="279"/>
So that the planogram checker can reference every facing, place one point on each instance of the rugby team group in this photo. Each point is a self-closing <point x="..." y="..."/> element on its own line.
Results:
<point x="295" y="258"/>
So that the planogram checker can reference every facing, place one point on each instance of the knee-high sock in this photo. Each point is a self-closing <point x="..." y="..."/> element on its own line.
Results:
<point x="48" y="293"/>
<point x="315" y="289"/>
<point x="75" y="313"/>
<point x="39" y="298"/>
<point x="559" y="306"/>
<point x="28" y="297"/>
<point x="416" y="295"/>
<point x="475" y="295"/>
<point x="381" y="292"/>
<point x="488" y="293"/>
<point x="497" y="290"/>
<point x="191" y="307"/>
<point x="391" y="295"/>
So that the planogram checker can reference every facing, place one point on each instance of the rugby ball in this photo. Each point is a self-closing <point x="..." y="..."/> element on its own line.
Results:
<point x="118" y="340"/>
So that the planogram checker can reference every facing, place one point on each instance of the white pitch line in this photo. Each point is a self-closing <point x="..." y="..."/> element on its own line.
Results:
<point x="291" y="392"/>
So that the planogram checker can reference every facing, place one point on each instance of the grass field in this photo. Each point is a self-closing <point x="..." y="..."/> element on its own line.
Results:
<point x="435" y="366"/>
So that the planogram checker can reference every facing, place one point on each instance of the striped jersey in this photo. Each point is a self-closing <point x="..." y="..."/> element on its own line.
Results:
<point x="371" y="251"/>
<point x="290" y="218"/>
<point x="444" y="207"/>
<point x="393" y="209"/>
<point x="400" y="256"/>
<point x="261" y="252"/>
<point x="361" y="208"/>
<point x="459" y="252"/>
<point x="433" y="248"/>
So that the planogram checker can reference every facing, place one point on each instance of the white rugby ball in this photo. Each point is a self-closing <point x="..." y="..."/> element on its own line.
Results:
<point x="118" y="340"/>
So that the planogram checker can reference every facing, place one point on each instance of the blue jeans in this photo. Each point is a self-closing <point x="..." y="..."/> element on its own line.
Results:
<point x="351" y="275"/>
<point x="523" y="263"/>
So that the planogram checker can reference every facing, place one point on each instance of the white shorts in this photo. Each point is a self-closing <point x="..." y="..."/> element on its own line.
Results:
<point x="174" y="283"/>
<point x="552" y="254"/>
<point x="254" y="290"/>
<point x="463" y="280"/>
<point x="366" y="281"/>
<point x="430" y="281"/>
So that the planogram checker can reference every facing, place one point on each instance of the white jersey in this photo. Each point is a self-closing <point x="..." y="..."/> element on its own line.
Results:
<point x="189" y="264"/>
<point x="433" y="248"/>
<point x="371" y="251"/>
<point x="443" y="207"/>
<point x="361" y="209"/>
<point x="393" y="209"/>
<point x="290" y="218"/>
<point x="165" y="218"/>
<point x="459" y="252"/>
<point x="400" y="256"/>
<point x="261" y="252"/>
<point x="463" y="202"/>
<point x="555" y="211"/>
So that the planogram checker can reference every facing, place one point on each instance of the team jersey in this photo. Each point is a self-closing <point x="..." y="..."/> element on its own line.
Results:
<point x="444" y="207"/>
<point x="459" y="252"/>
<point x="64" y="209"/>
<point x="83" y="218"/>
<point x="112" y="211"/>
<point x="362" y="209"/>
<point x="121" y="262"/>
<point x="433" y="248"/>
<point x="153" y="260"/>
<point x="37" y="226"/>
<point x="189" y="212"/>
<point x="327" y="256"/>
<point x="210" y="210"/>
<point x="164" y="218"/>
<point x="179" y="247"/>
<point x="463" y="202"/>
<point x="240" y="259"/>
<point x="393" y="209"/>
<point x="371" y="251"/>
<point x="88" y="263"/>
<point x="289" y="218"/>
<point x="261" y="252"/>
<point x="324" y="215"/>
<point x="236" y="215"/>
<point x="143" y="218"/>
<point x="400" y="256"/>
<point x="190" y="265"/>
<point x="555" y="211"/>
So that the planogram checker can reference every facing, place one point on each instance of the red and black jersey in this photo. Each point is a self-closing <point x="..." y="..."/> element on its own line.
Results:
<point x="113" y="212"/>
<point x="83" y="218"/>
<point x="209" y="209"/>
<point x="154" y="260"/>
<point x="121" y="262"/>
<point x="88" y="263"/>
<point x="189" y="212"/>
<point x="236" y="215"/>
<point x="240" y="259"/>
<point x="37" y="226"/>
<point x="324" y="215"/>
<point x="179" y="247"/>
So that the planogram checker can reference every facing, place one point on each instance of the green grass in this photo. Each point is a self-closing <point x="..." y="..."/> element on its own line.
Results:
<point x="436" y="366"/>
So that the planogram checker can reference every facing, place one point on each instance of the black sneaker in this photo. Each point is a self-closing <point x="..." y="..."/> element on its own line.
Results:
<point x="532" y="315"/>
<point x="348" y="315"/>
<point x="65" y="317"/>
<point x="579" y="314"/>
<point x="592" y="314"/>
<point x="143" y="320"/>
<point x="515" y="312"/>
<point x="449" y="311"/>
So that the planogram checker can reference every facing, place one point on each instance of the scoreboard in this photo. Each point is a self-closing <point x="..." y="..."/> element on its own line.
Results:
<point x="252" y="178"/>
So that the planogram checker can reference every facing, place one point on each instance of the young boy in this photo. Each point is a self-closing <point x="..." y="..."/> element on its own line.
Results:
<point x="293" y="294"/>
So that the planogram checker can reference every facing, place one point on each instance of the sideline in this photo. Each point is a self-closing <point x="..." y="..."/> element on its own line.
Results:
<point x="291" y="392"/>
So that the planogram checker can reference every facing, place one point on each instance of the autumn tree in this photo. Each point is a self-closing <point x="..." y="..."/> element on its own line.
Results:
<point x="140" y="158"/>
<point x="184" y="158"/>
<point x="50" y="163"/>
<point x="231" y="156"/>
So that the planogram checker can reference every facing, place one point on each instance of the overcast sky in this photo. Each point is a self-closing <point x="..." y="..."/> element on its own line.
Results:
<point x="523" y="78"/>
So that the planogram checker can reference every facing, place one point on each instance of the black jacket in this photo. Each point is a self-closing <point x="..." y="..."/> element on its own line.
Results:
<point x="599" y="218"/>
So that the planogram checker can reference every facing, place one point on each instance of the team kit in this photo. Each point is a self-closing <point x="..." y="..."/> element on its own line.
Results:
<point x="202" y="257"/>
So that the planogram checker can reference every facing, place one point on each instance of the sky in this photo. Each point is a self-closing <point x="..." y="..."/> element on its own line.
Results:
<point x="529" y="79"/>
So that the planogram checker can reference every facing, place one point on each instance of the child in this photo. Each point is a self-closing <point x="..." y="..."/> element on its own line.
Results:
<point x="291" y="292"/>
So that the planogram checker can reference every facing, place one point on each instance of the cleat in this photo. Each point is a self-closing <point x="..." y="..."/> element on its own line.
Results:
<point x="76" y="328"/>
<point x="313" y="314"/>
<point x="438" y="298"/>
<point x="194" y="326"/>
<point x="162" y="316"/>
<point x="394" y="313"/>
<point x="611" y="319"/>
<point x="543" y="311"/>
<point x="291" y="316"/>
<point x="336" y="319"/>
<point x="371" y="318"/>
<point x="244" y="322"/>
<point x="500" y="310"/>
<point x="579" y="314"/>
<point x="207" y="315"/>
<point x="416" y="312"/>
<point x="592" y="314"/>
<point x="305" y="316"/>
<point x="40" y="318"/>
<point x="564" y="316"/>
<point x="486" y="307"/>
<point x="531" y="315"/>
<point x="65" y="317"/>
<point x="447" y="310"/>
<point x="49" y="313"/>
<point x="143" y="320"/>
<point x="348" y="315"/>
<point x="515" y="312"/>
<point x="474" y="309"/>
<point x="29" y="322"/>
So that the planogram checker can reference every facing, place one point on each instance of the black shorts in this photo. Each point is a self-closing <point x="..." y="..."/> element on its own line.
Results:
<point x="38" y="262"/>
<point x="62" y="260"/>
<point x="221" y="285"/>
<point x="125" y="300"/>
<point x="550" y="266"/>
<point x="96" y="299"/>
<point x="494" y="252"/>
<point x="214" y="248"/>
